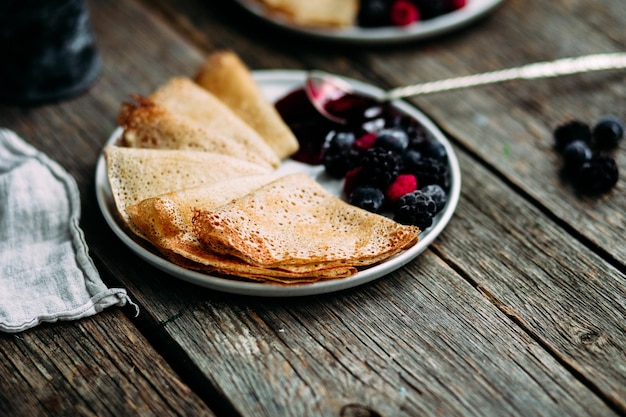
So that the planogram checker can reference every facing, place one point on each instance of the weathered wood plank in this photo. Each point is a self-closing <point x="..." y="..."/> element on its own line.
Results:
<point x="95" y="367"/>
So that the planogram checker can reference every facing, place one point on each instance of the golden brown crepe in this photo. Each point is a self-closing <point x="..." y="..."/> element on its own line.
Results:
<point x="136" y="174"/>
<point x="229" y="79"/>
<point x="325" y="13"/>
<point x="294" y="221"/>
<point x="183" y="115"/>
<point x="166" y="222"/>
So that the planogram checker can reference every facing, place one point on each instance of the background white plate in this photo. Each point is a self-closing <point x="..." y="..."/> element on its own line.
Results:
<point x="276" y="84"/>
<point x="439" y="25"/>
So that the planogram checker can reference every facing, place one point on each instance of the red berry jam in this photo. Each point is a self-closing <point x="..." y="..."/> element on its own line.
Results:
<point x="364" y="115"/>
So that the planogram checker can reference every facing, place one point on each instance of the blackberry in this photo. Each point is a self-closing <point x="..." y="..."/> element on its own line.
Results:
<point x="432" y="8"/>
<point x="597" y="176"/>
<point x="429" y="171"/>
<point x="439" y="196"/>
<point x="340" y="156"/>
<point x="338" y="161"/>
<point x="379" y="167"/>
<point x="416" y="208"/>
<point x="569" y="132"/>
<point x="368" y="198"/>
<point x="575" y="154"/>
<point x="608" y="132"/>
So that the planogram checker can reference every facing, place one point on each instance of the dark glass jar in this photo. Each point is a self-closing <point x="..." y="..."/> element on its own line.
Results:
<point x="48" y="51"/>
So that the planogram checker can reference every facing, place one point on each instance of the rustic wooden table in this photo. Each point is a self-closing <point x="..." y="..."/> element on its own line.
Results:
<point x="518" y="308"/>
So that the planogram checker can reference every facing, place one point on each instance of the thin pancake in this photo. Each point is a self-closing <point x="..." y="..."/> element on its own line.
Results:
<point x="136" y="174"/>
<point x="227" y="77"/>
<point x="183" y="115"/>
<point x="166" y="222"/>
<point x="295" y="221"/>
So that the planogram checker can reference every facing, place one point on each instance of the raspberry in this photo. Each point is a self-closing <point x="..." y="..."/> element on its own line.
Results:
<point x="365" y="142"/>
<point x="403" y="13"/>
<point x="458" y="4"/>
<point x="597" y="176"/>
<point x="569" y="132"/>
<point x="608" y="132"/>
<point x="403" y="184"/>
<point x="351" y="180"/>
<point x="380" y="167"/>
<point x="415" y="208"/>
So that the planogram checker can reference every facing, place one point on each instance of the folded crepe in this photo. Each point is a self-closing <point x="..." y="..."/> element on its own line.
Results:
<point x="166" y="222"/>
<point x="338" y="13"/>
<point x="294" y="222"/>
<point x="182" y="115"/>
<point x="136" y="174"/>
<point x="226" y="76"/>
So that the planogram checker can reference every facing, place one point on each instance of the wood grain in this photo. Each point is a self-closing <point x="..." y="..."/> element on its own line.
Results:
<point x="516" y="309"/>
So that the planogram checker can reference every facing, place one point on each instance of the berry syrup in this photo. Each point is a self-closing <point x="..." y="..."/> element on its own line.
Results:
<point x="363" y="115"/>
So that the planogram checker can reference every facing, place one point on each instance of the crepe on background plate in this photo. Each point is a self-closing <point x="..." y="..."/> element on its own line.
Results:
<point x="226" y="76"/>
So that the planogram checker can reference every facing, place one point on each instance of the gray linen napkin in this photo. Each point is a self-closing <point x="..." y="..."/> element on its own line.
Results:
<point x="46" y="273"/>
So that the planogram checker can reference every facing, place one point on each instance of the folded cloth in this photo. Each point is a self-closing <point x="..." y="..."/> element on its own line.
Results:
<point x="46" y="273"/>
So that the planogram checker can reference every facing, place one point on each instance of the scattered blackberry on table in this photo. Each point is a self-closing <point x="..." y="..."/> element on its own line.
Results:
<point x="416" y="208"/>
<point x="368" y="198"/>
<point x="597" y="176"/>
<point x="569" y="132"/>
<point x="608" y="132"/>
<point x="575" y="154"/>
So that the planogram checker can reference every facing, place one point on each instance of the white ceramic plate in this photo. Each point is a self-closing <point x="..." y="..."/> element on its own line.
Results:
<point x="448" y="22"/>
<point x="276" y="84"/>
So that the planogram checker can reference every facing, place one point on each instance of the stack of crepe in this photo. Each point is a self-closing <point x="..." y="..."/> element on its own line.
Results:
<point x="194" y="174"/>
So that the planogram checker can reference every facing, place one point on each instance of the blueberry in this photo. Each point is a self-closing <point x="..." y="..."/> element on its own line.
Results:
<point x="395" y="140"/>
<point x="608" y="132"/>
<point x="374" y="13"/>
<point x="597" y="176"/>
<point x="411" y="159"/>
<point x="368" y="198"/>
<point x="340" y="139"/>
<point x="434" y="149"/>
<point x="575" y="154"/>
<point x="569" y="132"/>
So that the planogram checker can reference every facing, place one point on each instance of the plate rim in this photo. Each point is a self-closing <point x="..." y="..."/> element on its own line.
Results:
<point x="473" y="11"/>
<point x="295" y="77"/>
